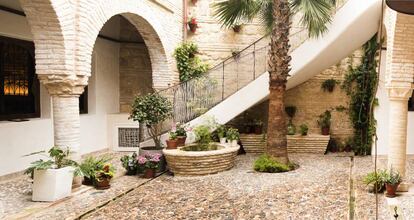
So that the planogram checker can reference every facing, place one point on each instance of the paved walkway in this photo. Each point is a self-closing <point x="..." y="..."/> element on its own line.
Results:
<point x="320" y="189"/>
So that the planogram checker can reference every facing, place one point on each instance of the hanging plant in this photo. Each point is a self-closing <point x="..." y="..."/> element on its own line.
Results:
<point x="193" y="24"/>
<point x="328" y="85"/>
<point x="360" y="85"/>
<point x="237" y="28"/>
<point x="188" y="64"/>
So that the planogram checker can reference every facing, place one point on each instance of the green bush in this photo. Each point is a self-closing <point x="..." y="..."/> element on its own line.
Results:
<point x="268" y="164"/>
<point x="304" y="129"/>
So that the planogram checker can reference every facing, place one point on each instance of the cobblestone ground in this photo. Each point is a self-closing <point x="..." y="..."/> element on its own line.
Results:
<point x="317" y="190"/>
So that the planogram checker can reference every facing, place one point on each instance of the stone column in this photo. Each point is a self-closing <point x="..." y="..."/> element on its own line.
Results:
<point x="65" y="91"/>
<point x="66" y="123"/>
<point x="398" y="113"/>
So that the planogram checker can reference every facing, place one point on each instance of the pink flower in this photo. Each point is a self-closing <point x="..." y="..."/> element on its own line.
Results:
<point x="174" y="127"/>
<point x="142" y="160"/>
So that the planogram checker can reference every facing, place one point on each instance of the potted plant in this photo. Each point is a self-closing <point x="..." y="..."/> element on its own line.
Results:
<point x="181" y="131"/>
<point x="237" y="28"/>
<point x="375" y="181"/>
<point x="304" y="129"/>
<point x="290" y="111"/>
<point x="258" y="128"/>
<point x="392" y="180"/>
<point x="193" y="24"/>
<point x="104" y="176"/>
<point x="52" y="178"/>
<point x="151" y="110"/>
<point x="324" y="122"/>
<point x="233" y="136"/>
<point x="202" y="135"/>
<point x="221" y="133"/>
<point x="328" y="85"/>
<point x="150" y="163"/>
<point x="130" y="164"/>
<point x="89" y="166"/>
<point x="172" y="141"/>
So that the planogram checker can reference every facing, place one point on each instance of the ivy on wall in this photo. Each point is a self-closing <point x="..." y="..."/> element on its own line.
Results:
<point x="360" y="84"/>
<point x="188" y="64"/>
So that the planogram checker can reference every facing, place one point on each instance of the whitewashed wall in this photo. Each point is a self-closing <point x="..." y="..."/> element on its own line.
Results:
<point x="21" y="138"/>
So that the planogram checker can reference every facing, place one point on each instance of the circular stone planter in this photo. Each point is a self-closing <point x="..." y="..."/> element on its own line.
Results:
<point x="196" y="163"/>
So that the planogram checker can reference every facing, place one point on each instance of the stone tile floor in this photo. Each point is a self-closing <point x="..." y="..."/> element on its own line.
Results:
<point x="319" y="189"/>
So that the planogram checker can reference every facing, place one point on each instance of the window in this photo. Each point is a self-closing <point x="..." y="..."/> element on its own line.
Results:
<point x="83" y="102"/>
<point x="19" y="86"/>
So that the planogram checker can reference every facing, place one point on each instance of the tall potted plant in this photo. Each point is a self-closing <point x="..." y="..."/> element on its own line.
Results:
<point x="52" y="178"/>
<point x="325" y="122"/>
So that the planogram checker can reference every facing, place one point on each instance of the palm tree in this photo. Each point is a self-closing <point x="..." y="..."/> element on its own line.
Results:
<point x="276" y="14"/>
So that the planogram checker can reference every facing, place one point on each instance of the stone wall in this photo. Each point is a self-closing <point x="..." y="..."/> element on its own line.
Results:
<point x="135" y="72"/>
<point x="311" y="101"/>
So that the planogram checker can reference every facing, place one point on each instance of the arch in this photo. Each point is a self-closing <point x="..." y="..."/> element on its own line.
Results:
<point x="51" y="25"/>
<point x="400" y="48"/>
<point x="146" y="21"/>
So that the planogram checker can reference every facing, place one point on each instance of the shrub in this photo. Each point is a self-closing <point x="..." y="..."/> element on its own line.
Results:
<point x="268" y="164"/>
<point x="151" y="110"/>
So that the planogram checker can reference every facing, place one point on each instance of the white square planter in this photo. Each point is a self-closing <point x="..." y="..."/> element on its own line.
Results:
<point x="52" y="184"/>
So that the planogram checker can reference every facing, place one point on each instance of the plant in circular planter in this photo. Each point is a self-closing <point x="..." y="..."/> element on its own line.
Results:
<point x="193" y="24"/>
<point x="232" y="136"/>
<point x="52" y="178"/>
<point x="290" y="111"/>
<point x="104" y="176"/>
<point x="392" y="180"/>
<point x="130" y="164"/>
<point x="221" y="133"/>
<point x="89" y="166"/>
<point x="149" y="163"/>
<point x="172" y="141"/>
<point x="304" y="129"/>
<point x="181" y="131"/>
<point x="324" y="122"/>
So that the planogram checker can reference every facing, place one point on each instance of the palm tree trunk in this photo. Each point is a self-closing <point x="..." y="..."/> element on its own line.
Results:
<point x="279" y="60"/>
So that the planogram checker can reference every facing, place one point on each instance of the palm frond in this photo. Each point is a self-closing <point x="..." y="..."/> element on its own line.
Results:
<point x="231" y="12"/>
<point x="316" y="14"/>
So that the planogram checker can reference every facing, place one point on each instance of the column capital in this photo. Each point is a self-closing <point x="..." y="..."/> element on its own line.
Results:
<point x="64" y="85"/>
<point x="399" y="93"/>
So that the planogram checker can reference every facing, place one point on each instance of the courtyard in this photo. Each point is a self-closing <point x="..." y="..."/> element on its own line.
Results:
<point x="323" y="187"/>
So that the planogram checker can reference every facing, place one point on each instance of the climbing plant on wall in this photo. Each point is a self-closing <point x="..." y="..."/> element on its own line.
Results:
<point x="189" y="65"/>
<point x="360" y="85"/>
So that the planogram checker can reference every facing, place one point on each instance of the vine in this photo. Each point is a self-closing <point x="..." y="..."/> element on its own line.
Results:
<point x="188" y="64"/>
<point x="360" y="84"/>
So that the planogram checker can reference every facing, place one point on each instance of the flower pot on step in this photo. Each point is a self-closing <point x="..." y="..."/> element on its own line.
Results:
<point x="391" y="190"/>
<point x="103" y="183"/>
<point x="181" y="140"/>
<point x="172" y="144"/>
<point x="154" y="150"/>
<point x="149" y="173"/>
<point x="52" y="184"/>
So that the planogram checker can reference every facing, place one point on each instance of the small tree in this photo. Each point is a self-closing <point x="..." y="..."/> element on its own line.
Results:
<point x="151" y="110"/>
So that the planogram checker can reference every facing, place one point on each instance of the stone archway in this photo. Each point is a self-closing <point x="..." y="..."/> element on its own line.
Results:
<point x="144" y="18"/>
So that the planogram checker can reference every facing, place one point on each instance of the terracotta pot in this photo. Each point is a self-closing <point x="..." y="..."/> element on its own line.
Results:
<point x="87" y="181"/>
<point x="172" y="144"/>
<point x="181" y="140"/>
<point x="325" y="131"/>
<point x="193" y="27"/>
<point x="103" y="184"/>
<point x="149" y="173"/>
<point x="258" y="129"/>
<point x="391" y="189"/>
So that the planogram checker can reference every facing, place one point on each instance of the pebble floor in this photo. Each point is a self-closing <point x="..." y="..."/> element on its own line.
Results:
<point x="318" y="189"/>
